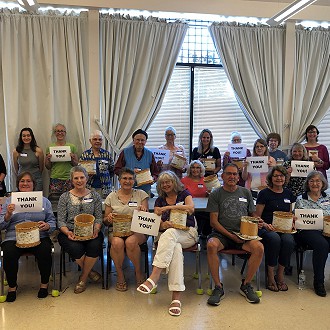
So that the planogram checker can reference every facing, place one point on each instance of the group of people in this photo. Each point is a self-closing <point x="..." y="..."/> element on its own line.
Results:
<point x="82" y="192"/>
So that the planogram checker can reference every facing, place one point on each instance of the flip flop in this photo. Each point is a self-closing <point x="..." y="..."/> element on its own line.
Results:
<point x="121" y="286"/>
<point x="174" y="308"/>
<point x="272" y="287"/>
<point x="94" y="276"/>
<point x="282" y="286"/>
<point x="147" y="290"/>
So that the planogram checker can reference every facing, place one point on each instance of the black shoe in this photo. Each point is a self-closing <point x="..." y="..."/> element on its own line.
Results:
<point x="11" y="296"/>
<point x="320" y="289"/>
<point x="42" y="293"/>
<point x="248" y="292"/>
<point x="217" y="294"/>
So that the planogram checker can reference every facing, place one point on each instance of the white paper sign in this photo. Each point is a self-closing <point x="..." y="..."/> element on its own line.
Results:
<point x="60" y="154"/>
<point x="27" y="201"/>
<point x="257" y="164"/>
<point x="309" y="219"/>
<point x="301" y="168"/>
<point x="161" y="154"/>
<point x="145" y="223"/>
<point x="237" y="150"/>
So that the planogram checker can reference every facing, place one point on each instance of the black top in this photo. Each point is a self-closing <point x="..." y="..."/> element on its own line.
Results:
<point x="208" y="154"/>
<point x="3" y="169"/>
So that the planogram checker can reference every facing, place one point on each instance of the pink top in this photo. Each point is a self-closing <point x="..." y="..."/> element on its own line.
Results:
<point x="196" y="189"/>
<point x="323" y="155"/>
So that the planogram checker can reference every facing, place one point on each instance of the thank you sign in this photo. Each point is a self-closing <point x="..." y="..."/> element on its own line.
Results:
<point x="27" y="201"/>
<point x="161" y="154"/>
<point x="301" y="168"/>
<point x="237" y="150"/>
<point x="60" y="154"/>
<point x="309" y="219"/>
<point x="145" y="223"/>
<point x="257" y="164"/>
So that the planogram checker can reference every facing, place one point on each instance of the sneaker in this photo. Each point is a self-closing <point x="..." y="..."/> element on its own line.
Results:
<point x="216" y="296"/>
<point x="247" y="291"/>
<point x="320" y="289"/>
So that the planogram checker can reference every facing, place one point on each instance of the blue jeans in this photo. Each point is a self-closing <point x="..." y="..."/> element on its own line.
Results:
<point x="278" y="247"/>
<point x="320" y="246"/>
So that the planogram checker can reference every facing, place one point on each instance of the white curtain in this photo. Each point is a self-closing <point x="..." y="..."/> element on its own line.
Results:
<point x="137" y="60"/>
<point x="43" y="67"/>
<point x="311" y="99"/>
<point x="253" y="57"/>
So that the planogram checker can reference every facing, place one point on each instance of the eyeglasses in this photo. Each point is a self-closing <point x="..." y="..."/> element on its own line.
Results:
<point x="315" y="181"/>
<point x="312" y="132"/>
<point x="231" y="173"/>
<point x="60" y="131"/>
<point x="236" y="140"/>
<point x="260" y="147"/>
<point x="97" y="139"/>
<point x="278" y="176"/>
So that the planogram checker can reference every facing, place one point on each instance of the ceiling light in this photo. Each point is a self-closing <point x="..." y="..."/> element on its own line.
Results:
<point x="29" y="5"/>
<point x="289" y="11"/>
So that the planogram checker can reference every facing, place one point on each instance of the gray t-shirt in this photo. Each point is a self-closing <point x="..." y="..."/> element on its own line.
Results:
<point x="231" y="206"/>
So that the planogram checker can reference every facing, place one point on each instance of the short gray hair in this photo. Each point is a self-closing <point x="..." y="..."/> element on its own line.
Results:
<point x="95" y="133"/>
<point x="199" y="163"/>
<point x="311" y="176"/>
<point x="76" y="169"/>
<point x="170" y="128"/>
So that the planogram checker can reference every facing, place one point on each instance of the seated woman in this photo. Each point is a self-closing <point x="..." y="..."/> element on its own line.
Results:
<point x="194" y="183"/>
<point x="42" y="252"/>
<point x="257" y="180"/>
<point x="315" y="197"/>
<point x="278" y="246"/>
<point x="169" y="257"/>
<point x="295" y="184"/>
<point x="76" y="201"/>
<point x="125" y="201"/>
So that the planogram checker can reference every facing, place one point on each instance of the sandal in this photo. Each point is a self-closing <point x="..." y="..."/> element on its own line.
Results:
<point x="80" y="287"/>
<point x="272" y="287"/>
<point x="172" y="309"/>
<point x="282" y="286"/>
<point x="143" y="288"/>
<point x="121" y="286"/>
<point x="141" y="281"/>
<point x="94" y="276"/>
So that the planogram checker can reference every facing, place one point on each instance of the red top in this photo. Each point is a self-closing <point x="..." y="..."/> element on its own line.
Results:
<point x="196" y="189"/>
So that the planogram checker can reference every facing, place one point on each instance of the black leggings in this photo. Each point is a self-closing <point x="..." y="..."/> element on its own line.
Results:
<point x="12" y="253"/>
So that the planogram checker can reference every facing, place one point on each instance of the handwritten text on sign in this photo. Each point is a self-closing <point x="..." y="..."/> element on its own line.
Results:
<point x="257" y="164"/>
<point x="301" y="168"/>
<point x="309" y="219"/>
<point x="145" y="223"/>
<point x="161" y="154"/>
<point x="27" y="201"/>
<point x="60" y="154"/>
<point x="237" y="150"/>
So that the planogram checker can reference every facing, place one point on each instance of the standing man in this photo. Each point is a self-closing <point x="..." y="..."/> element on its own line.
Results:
<point x="138" y="158"/>
<point x="273" y="141"/>
<point x="99" y="165"/>
<point x="226" y="206"/>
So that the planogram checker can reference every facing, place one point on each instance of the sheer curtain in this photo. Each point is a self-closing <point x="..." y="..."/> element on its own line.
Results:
<point x="42" y="77"/>
<point x="312" y="80"/>
<point x="253" y="57"/>
<point x="137" y="60"/>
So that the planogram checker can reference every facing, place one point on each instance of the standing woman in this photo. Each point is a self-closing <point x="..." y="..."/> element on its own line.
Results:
<point x="318" y="153"/>
<point x="295" y="184"/>
<point x="28" y="157"/>
<point x="3" y="173"/>
<point x="257" y="180"/>
<point x="315" y="197"/>
<point x="125" y="201"/>
<point x="169" y="256"/>
<point x="170" y="136"/>
<point x="206" y="150"/>
<point x="76" y="201"/>
<point x="46" y="223"/>
<point x="278" y="246"/>
<point x="60" y="171"/>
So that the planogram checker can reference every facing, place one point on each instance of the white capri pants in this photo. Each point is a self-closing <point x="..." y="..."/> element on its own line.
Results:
<point x="170" y="257"/>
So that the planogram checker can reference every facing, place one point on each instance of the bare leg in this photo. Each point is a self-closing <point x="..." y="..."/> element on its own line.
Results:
<point x="213" y="247"/>
<point x="118" y="255"/>
<point x="257" y="250"/>
<point x="86" y="264"/>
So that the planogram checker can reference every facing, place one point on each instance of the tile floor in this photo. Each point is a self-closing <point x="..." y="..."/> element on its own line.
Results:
<point x="110" y="309"/>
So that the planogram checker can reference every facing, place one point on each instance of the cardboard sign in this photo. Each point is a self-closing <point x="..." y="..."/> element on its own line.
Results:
<point x="257" y="164"/>
<point x="301" y="168"/>
<point x="237" y="150"/>
<point x="27" y="201"/>
<point x="161" y="154"/>
<point x="145" y="223"/>
<point x="309" y="219"/>
<point x="60" y="154"/>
